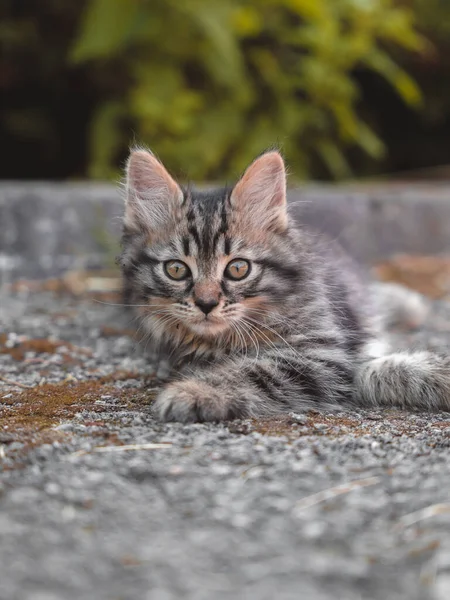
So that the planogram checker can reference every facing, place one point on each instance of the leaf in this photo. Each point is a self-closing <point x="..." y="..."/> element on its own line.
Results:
<point x="399" y="79"/>
<point x="310" y="11"/>
<point x="334" y="159"/>
<point x="222" y="56"/>
<point x="105" y="139"/>
<point x="247" y="21"/>
<point x="369" y="141"/>
<point x="106" y="27"/>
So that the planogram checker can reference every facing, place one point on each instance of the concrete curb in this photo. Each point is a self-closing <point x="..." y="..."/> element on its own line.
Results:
<point x="48" y="228"/>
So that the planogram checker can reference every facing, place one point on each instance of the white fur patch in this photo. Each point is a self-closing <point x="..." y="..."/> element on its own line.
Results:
<point x="376" y="348"/>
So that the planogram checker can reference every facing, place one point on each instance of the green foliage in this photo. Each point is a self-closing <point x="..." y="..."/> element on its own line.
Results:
<point x="207" y="84"/>
<point x="433" y="17"/>
<point x="211" y="84"/>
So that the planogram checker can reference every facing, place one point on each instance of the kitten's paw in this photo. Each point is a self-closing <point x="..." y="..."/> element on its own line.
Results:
<point x="189" y="401"/>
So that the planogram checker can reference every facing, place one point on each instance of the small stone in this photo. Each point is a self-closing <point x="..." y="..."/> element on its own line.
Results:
<point x="298" y="418"/>
<point x="243" y="427"/>
<point x="52" y="489"/>
<point x="176" y="470"/>
<point x="321" y="427"/>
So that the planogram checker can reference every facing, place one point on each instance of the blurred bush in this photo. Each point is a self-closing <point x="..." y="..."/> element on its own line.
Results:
<point x="417" y="140"/>
<point x="206" y="84"/>
<point x="212" y="84"/>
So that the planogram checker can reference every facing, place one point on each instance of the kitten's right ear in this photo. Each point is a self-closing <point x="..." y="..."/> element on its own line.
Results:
<point x="153" y="197"/>
<point x="260" y="195"/>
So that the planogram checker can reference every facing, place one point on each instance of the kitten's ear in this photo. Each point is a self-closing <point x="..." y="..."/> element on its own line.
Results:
<point x="153" y="197"/>
<point x="260" y="195"/>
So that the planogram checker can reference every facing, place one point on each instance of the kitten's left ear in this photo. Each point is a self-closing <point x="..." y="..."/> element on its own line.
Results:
<point x="260" y="195"/>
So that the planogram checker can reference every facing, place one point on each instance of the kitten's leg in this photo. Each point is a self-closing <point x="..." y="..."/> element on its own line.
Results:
<point x="276" y="382"/>
<point x="160" y="365"/>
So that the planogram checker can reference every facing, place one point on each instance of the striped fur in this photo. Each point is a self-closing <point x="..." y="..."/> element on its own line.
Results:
<point x="297" y="333"/>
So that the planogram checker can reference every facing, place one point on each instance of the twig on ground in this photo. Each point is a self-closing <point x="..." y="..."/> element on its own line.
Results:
<point x="124" y="448"/>
<point x="16" y="383"/>
<point x="333" y="492"/>
<point x="423" y="513"/>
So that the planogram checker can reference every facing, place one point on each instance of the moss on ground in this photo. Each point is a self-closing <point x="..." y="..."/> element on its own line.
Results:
<point x="30" y="416"/>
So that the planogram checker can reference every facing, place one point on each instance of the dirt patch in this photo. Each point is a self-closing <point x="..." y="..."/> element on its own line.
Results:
<point x="104" y="284"/>
<point x="18" y="349"/>
<point x="392" y="422"/>
<point x="310" y="424"/>
<point x="108" y="331"/>
<point x="441" y="425"/>
<point x="429" y="275"/>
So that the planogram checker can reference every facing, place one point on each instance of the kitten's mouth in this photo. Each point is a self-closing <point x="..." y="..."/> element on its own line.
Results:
<point x="208" y="326"/>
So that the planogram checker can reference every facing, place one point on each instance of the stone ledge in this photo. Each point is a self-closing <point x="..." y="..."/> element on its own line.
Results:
<point x="48" y="228"/>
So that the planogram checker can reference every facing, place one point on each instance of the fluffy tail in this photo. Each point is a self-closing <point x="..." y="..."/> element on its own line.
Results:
<point x="398" y="306"/>
<point x="419" y="380"/>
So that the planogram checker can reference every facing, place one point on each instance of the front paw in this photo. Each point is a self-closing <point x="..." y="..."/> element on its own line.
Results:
<point x="189" y="401"/>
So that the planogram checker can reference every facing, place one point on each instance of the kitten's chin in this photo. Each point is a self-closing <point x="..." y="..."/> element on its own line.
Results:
<point x="207" y="328"/>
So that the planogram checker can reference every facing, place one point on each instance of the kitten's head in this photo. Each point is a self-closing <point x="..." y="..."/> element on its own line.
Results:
<point x="206" y="265"/>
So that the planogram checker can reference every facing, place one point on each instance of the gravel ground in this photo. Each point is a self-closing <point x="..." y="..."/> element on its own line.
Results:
<point x="342" y="507"/>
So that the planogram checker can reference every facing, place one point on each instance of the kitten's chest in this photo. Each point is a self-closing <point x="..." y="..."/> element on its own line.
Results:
<point x="202" y="354"/>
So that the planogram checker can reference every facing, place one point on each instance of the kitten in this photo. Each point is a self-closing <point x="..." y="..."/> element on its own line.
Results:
<point x="258" y="315"/>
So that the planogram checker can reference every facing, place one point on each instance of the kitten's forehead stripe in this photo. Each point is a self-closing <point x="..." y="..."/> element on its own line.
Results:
<point x="207" y="221"/>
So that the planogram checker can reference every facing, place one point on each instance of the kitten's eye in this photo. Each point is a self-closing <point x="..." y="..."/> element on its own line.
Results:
<point x="237" y="269"/>
<point x="175" y="269"/>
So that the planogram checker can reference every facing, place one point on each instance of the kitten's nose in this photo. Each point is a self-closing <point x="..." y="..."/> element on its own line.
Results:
<point x="206" y="305"/>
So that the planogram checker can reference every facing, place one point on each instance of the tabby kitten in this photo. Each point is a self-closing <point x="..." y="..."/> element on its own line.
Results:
<point x="257" y="315"/>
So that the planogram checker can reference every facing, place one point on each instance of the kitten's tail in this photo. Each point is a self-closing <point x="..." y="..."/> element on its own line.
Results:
<point x="406" y="379"/>
<point x="397" y="306"/>
<point x="419" y="379"/>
